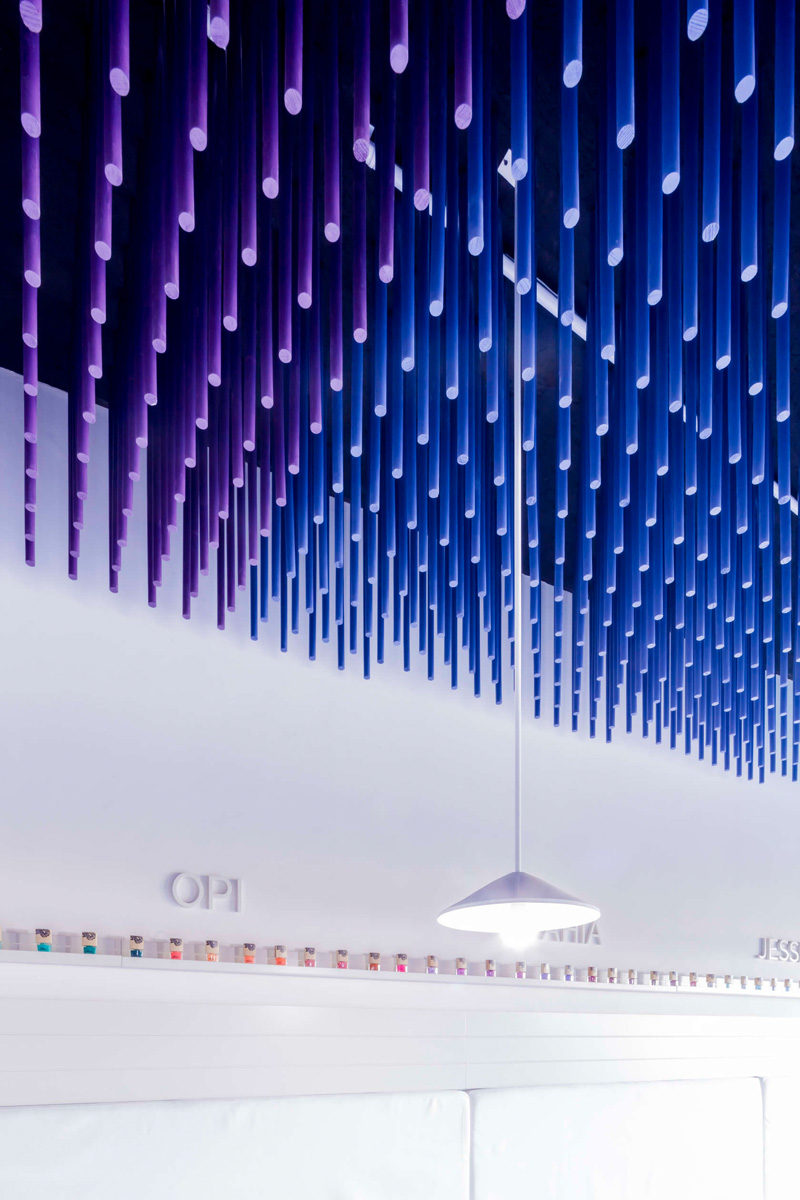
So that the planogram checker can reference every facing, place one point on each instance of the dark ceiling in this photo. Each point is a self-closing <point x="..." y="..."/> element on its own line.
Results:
<point x="67" y="53"/>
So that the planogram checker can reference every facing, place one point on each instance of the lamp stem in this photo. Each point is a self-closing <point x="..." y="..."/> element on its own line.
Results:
<point x="518" y="529"/>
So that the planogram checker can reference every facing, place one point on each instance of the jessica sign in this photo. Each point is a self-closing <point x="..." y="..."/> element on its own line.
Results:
<point x="778" y="949"/>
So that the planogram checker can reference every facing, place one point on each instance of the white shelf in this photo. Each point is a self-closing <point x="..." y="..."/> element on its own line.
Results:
<point x="94" y="962"/>
<point x="93" y="1028"/>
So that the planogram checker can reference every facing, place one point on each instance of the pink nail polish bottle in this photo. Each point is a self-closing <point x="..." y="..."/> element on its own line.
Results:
<point x="692" y="979"/>
<point x="612" y="974"/>
<point x="592" y="974"/>
<point x="342" y="960"/>
<point x="309" y="956"/>
<point x="176" y="948"/>
<point x="401" y="964"/>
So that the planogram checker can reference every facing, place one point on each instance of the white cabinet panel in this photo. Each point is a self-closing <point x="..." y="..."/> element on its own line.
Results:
<point x="652" y="1141"/>
<point x="781" y="1137"/>
<point x="326" y="1148"/>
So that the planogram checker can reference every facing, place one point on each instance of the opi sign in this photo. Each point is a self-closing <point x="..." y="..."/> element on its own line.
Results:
<point x="208" y="891"/>
<point x="778" y="949"/>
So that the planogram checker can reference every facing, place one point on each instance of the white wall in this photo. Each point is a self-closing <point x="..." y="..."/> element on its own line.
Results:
<point x="135" y="744"/>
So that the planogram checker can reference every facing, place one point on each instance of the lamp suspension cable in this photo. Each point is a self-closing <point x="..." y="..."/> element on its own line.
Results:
<point x="518" y="906"/>
<point x="518" y="527"/>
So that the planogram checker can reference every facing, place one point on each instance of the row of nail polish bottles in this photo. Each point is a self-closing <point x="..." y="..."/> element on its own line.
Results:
<point x="308" y="956"/>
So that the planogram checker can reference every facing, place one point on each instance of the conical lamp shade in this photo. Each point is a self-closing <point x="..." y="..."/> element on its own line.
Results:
<point x="518" y="906"/>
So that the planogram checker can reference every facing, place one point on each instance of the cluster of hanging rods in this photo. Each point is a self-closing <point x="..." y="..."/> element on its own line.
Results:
<point x="31" y="120"/>
<point x="289" y="260"/>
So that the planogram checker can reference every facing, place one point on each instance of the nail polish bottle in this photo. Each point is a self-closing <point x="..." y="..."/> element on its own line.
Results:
<point x="433" y="965"/>
<point x="787" y="985"/>
<point x="89" y="942"/>
<point x="727" y="981"/>
<point x="544" y="971"/>
<point x="591" y="975"/>
<point x="249" y="952"/>
<point x="743" y="982"/>
<point x="673" y="979"/>
<point x="773" y="983"/>
<point x="612" y="975"/>
<point x="309" y="956"/>
<point x="632" y="979"/>
<point x="491" y="969"/>
<point x="342" y="960"/>
<point x="212" y="950"/>
<point x="44" y="939"/>
<point x="461" y="966"/>
<point x="280" y="956"/>
<point x="401" y="963"/>
<point x="135" y="945"/>
<point x="520" y="971"/>
<point x="711" y="981"/>
<point x="176" y="948"/>
<point x="654" y="979"/>
<point x="758" y="983"/>
<point x="374" y="960"/>
<point x="569" y="974"/>
<point x="692" y="979"/>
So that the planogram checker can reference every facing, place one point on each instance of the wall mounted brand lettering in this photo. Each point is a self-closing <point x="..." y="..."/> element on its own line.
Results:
<point x="587" y="935"/>
<point x="778" y="949"/>
<point x="208" y="891"/>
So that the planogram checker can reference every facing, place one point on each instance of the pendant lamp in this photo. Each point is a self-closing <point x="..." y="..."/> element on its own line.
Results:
<point x="518" y="906"/>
